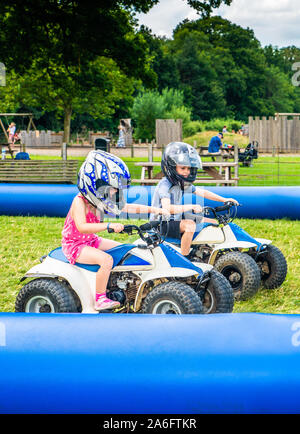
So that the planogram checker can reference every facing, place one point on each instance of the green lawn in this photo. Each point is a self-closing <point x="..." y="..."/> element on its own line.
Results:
<point x="25" y="239"/>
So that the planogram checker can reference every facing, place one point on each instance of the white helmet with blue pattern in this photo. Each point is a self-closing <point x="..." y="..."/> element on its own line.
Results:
<point x="99" y="172"/>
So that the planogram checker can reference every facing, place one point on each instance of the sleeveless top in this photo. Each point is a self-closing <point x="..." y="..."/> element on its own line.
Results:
<point x="73" y="241"/>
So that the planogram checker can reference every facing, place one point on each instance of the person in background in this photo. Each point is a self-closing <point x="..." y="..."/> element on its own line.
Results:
<point x="11" y="132"/>
<point x="215" y="144"/>
<point x="121" y="139"/>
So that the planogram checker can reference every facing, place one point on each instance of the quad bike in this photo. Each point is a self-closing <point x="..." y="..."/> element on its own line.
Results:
<point x="249" y="154"/>
<point x="246" y="262"/>
<point x="150" y="277"/>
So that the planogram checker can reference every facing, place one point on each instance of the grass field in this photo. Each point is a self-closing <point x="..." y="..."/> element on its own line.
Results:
<point x="25" y="239"/>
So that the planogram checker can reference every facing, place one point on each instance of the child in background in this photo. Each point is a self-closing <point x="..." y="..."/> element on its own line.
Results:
<point x="11" y="131"/>
<point x="101" y="181"/>
<point x="180" y="163"/>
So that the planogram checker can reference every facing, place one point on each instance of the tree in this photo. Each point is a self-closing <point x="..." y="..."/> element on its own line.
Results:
<point x="75" y="32"/>
<point x="96" y="90"/>
<point x="36" y="35"/>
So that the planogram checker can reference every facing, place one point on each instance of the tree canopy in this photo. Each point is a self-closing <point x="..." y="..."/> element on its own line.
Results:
<point x="73" y="33"/>
<point x="90" y="60"/>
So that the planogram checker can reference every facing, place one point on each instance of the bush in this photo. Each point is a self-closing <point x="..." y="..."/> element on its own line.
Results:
<point x="149" y="106"/>
<point x="218" y="125"/>
<point x="192" y="128"/>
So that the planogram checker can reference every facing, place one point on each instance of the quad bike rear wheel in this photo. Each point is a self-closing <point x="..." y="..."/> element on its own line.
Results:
<point x="45" y="296"/>
<point x="273" y="267"/>
<point x="218" y="297"/>
<point x="173" y="298"/>
<point x="242" y="272"/>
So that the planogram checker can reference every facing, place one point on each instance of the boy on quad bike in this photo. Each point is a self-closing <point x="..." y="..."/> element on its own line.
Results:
<point x="101" y="181"/>
<point x="180" y="163"/>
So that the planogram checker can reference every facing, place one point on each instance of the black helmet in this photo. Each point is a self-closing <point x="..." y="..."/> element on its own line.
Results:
<point x="180" y="153"/>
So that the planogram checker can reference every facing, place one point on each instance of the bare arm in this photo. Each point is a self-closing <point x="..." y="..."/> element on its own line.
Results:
<point x="212" y="196"/>
<point x="79" y="217"/>
<point x="177" y="209"/>
<point x="137" y="208"/>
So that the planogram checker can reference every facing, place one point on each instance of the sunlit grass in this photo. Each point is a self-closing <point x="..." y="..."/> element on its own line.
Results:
<point x="25" y="239"/>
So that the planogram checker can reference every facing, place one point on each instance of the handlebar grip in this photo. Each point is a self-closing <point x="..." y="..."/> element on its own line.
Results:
<point x="110" y="231"/>
<point x="150" y="225"/>
<point x="128" y="229"/>
<point x="224" y="207"/>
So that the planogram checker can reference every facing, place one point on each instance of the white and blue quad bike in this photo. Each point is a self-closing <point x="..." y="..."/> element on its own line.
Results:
<point x="246" y="262"/>
<point x="148" y="277"/>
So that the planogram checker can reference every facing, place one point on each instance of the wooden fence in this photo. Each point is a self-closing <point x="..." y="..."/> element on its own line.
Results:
<point x="168" y="130"/>
<point x="276" y="134"/>
<point x="39" y="139"/>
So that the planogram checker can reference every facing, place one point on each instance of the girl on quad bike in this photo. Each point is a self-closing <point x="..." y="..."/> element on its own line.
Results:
<point x="101" y="181"/>
<point x="179" y="164"/>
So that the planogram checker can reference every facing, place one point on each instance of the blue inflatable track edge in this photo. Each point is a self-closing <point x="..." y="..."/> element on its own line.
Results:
<point x="143" y="364"/>
<point x="54" y="200"/>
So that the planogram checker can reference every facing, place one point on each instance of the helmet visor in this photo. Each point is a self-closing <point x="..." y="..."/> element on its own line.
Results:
<point x="184" y="156"/>
<point x="111" y="198"/>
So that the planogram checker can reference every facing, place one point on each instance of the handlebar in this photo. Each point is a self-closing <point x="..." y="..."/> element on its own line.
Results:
<point x="157" y="238"/>
<point x="222" y="218"/>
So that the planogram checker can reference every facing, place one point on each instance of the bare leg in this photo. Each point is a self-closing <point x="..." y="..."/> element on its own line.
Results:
<point x="108" y="244"/>
<point x="90" y="255"/>
<point x="207" y="220"/>
<point x="187" y="227"/>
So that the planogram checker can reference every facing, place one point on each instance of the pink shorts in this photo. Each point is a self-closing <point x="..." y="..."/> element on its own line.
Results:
<point x="73" y="249"/>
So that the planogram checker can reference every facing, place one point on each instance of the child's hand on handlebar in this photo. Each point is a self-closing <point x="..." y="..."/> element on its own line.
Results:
<point x="231" y="200"/>
<point x="116" y="227"/>
<point x="197" y="209"/>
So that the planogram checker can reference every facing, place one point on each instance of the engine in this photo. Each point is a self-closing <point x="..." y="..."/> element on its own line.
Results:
<point x="122" y="287"/>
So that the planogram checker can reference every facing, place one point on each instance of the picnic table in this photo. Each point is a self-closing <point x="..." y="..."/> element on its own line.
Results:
<point x="218" y="172"/>
<point x="223" y="155"/>
<point x="11" y="147"/>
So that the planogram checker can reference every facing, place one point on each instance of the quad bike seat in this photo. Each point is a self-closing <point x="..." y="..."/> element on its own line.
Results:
<point x="117" y="253"/>
<point x="199" y="228"/>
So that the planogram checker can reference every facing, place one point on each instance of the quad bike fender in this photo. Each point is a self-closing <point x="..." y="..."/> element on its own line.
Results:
<point x="263" y="241"/>
<point x="229" y="246"/>
<point x="208" y="235"/>
<point x="83" y="282"/>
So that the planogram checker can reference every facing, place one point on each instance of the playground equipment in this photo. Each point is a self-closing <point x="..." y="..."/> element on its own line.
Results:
<point x="148" y="277"/>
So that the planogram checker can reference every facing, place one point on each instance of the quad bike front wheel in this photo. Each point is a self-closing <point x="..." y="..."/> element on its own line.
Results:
<point x="273" y="266"/>
<point x="173" y="298"/>
<point x="242" y="272"/>
<point x="45" y="296"/>
<point x="218" y="297"/>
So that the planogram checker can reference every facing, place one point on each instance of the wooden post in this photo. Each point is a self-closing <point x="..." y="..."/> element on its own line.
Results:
<point x="236" y="160"/>
<point x="64" y="152"/>
<point x="132" y="150"/>
<point x="150" y="151"/>
<point x="4" y="130"/>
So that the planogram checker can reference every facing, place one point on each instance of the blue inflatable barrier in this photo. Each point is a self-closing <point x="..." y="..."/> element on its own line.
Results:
<point x="54" y="200"/>
<point x="143" y="364"/>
